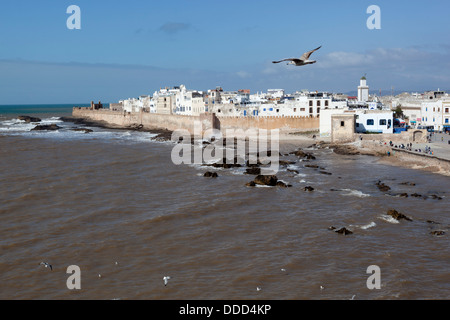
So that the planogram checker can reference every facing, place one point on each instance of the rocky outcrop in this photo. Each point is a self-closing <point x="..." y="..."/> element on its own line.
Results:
<point x="344" y="231"/>
<point x="382" y="187"/>
<point x="308" y="188"/>
<point x="29" y="119"/>
<point x="266" y="180"/>
<point x="408" y="184"/>
<point x="225" y="164"/>
<point x="209" y="174"/>
<point x="437" y="233"/>
<point x="303" y="155"/>
<point x="269" y="180"/>
<point x="283" y="185"/>
<point x="397" y="215"/>
<point x="253" y="170"/>
<point x="49" y="127"/>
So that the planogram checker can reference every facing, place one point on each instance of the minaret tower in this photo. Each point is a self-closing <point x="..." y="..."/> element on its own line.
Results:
<point x="363" y="90"/>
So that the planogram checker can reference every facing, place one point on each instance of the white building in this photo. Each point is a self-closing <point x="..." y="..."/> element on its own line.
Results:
<point x="367" y="121"/>
<point x="432" y="114"/>
<point x="374" y="121"/>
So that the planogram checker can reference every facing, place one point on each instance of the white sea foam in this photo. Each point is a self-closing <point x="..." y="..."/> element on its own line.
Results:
<point x="356" y="193"/>
<point x="388" y="218"/>
<point x="366" y="226"/>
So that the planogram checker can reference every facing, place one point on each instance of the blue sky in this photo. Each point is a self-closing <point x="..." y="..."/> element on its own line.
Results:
<point x="128" y="48"/>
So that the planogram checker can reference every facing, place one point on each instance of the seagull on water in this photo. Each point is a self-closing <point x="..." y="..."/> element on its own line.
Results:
<point x="166" y="280"/>
<point x="303" y="60"/>
<point x="47" y="265"/>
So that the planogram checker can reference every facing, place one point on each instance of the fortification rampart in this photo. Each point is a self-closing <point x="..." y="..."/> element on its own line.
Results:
<point x="208" y="121"/>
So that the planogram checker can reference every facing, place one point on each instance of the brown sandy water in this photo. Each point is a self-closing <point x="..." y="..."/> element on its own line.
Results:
<point x="115" y="196"/>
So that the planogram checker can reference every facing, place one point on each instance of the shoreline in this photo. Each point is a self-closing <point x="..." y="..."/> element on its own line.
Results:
<point x="291" y="143"/>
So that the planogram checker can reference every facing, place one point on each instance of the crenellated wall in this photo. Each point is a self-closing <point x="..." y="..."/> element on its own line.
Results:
<point x="208" y="121"/>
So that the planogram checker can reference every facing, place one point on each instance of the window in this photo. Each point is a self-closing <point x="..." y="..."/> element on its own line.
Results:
<point x="295" y="109"/>
<point x="270" y="109"/>
<point x="446" y="110"/>
<point x="370" y="122"/>
<point x="318" y="110"/>
<point x="310" y="110"/>
<point x="382" y="122"/>
<point x="278" y="110"/>
<point x="310" y="103"/>
<point x="318" y="103"/>
<point x="302" y="109"/>
<point x="446" y="120"/>
<point x="326" y="103"/>
<point x="342" y="123"/>
<point x="357" y="124"/>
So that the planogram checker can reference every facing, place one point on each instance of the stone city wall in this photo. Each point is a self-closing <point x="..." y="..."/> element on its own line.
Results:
<point x="208" y="121"/>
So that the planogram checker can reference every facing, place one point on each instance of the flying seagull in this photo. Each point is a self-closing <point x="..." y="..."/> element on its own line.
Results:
<point x="47" y="265"/>
<point x="166" y="280"/>
<point x="303" y="60"/>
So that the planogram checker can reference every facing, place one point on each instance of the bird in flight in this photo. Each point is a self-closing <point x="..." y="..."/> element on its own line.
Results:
<point x="47" y="265"/>
<point x="303" y="60"/>
<point x="166" y="280"/>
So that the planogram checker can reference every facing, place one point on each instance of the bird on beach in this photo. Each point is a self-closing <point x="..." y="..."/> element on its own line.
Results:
<point x="166" y="280"/>
<point x="303" y="60"/>
<point x="47" y="265"/>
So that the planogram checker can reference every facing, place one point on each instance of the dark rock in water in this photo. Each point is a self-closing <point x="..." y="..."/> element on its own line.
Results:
<point x="416" y="195"/>
<point x="283" y="185"/>
<point x="437" y="233"/>
<point x="432" y="222"/>
<point x="211" y="174"/>
<point x="302" y="154"/>
<point x="251" y="184"/>
<point x="266" y="180"/>
<point x="332" y="228"/>
<point x="223" y="163"/>
<point x="83" y="130"/>
<point x="164" y="135"/>
<point x="28" y="119"/>
<point x="46" y="127"/>
<point x="408" y="183"/>
<point x="324" y="172"/>
<point x="311" y="166"/>
<point x="382" y="187"/>
<point x="255" y="171"/>
<point x="308" y="188"/>
<point x="397" y="215"/>
<point x="403" y="195"/>
<point x="344" y="231"/>
<point x="136" y="126"/>
<point x="285" y="163"/>
<point x="252" y="165"/>
<point x="433" y="196"/>
<point x="293" y="171"/>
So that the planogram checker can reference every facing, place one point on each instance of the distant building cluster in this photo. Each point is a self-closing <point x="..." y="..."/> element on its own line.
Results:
<point x="428" y="110"/>
<point x="373" y="113"/>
